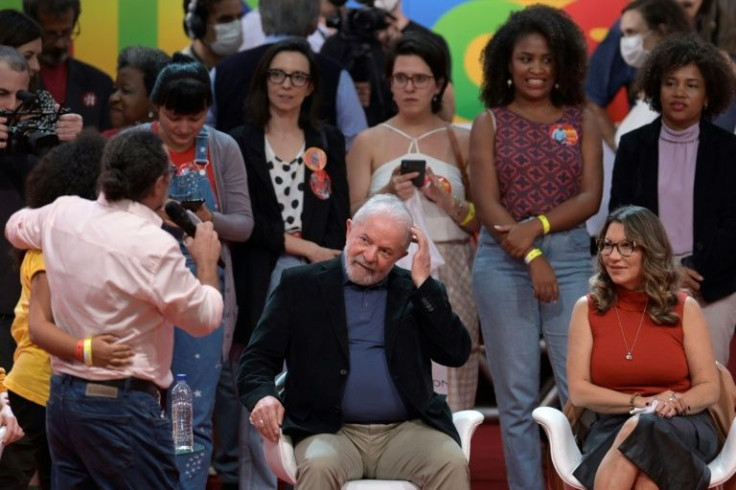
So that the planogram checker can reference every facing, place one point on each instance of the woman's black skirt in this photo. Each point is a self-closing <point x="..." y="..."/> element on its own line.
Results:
<point x="674" y="452"/>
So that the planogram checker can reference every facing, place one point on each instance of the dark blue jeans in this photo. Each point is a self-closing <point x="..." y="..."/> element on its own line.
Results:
<point x="105" y="442"/>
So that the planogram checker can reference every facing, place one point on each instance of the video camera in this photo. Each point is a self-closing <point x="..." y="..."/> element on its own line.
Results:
<point x="32" y="126"/>
<point x="360" y="24"/>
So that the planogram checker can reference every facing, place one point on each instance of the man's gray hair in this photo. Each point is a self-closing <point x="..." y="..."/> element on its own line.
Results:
<point x="386" y="205"/>
<point x="289" y="17"/>
<point x="13" y="59"/>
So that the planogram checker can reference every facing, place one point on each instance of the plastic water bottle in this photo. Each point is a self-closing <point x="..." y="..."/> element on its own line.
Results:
<point x="181" y="414"/>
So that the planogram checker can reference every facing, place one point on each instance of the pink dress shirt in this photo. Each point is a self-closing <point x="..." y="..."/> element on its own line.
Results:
<point x="112" y="269"/>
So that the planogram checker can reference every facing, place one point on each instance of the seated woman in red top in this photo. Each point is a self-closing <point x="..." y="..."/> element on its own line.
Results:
<point x="638" y="346"/>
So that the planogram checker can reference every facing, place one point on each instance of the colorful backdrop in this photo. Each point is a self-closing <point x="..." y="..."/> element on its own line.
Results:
<point x="110" y="25"/>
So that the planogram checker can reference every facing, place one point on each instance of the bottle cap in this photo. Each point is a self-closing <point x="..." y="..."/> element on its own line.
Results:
<point x="181" y="377"/>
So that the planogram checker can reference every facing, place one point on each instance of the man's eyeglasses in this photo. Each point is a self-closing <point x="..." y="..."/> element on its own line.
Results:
<point x="625" y="247"/>
<point x="298" y="78"/>
<point x="420" y="80"/>
<point x="53" y="36"/>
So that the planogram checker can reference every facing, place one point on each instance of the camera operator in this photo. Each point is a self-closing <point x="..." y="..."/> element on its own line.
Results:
<point x="358" y="46"/>
<point x="14" y="80"/>
<point x="14" y="167"/>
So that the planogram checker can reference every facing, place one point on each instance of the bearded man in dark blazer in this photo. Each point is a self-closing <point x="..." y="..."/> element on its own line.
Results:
<point x="358" y="335"/>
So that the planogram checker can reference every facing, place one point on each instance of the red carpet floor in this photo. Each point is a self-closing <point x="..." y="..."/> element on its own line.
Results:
<point x="487" y="471"/>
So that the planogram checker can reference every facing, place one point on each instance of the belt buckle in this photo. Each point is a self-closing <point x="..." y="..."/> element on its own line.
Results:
<point x="100" y="390"/>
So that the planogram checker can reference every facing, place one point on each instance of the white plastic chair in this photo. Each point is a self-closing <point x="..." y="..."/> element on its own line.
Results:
<point x="280" y="456"/>
<point x="566" y="454"/>
<point x="3" y="429"/>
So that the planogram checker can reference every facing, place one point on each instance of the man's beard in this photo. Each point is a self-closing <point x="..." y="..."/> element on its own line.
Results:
<point x="54" y="57"/>
<point x="359" y="274"/>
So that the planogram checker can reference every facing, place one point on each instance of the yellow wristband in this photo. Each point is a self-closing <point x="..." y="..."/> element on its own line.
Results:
<point x="531" y="255"/>
<point x="88" y="351"/>
<point x="545" y="223"/>
<point x="471" y="214"/>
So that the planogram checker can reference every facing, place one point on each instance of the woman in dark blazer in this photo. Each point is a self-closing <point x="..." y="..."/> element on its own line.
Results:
<point x="683" y="168"/>
<point x="299" y="195"/>
<point x="283" y="133"/>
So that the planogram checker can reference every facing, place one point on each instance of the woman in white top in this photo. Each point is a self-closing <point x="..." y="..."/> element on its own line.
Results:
<point x="417" y="69"/>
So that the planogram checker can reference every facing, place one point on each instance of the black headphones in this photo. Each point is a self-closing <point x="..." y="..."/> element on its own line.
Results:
<point x="194" y="23"/>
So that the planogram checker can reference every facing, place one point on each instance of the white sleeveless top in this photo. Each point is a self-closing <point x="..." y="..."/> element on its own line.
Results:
<point x="440" y="226"/>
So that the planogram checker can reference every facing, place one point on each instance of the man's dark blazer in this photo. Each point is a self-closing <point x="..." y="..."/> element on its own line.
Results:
<point x="305" y="324"/>
<point x="87" y="94"/>
<point x="323" y="220"/>
<point x="714" y="216"/>
<point x="233" y="77"/>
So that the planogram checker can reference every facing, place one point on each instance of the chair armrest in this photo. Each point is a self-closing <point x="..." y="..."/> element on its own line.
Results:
<point x="280" y="458"/>
<point x="466" y="421"/>
<point x="3" y="429"/>
<point x="563" y="449"/>
<point x="724" y="466"/>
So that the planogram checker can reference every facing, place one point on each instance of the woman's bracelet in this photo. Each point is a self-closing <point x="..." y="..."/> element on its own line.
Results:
<point x="531" y="255"/>
<point x="80" y="350"/>
<point x="88" y="351"/>
<point x="457" y="212"/>
<point x="545" y="224"/>
<point x="632" y="399"/>
<point x="470" y="216"/>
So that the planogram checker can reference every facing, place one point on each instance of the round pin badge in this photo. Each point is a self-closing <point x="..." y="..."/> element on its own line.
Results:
<point x="564" y="134"/>
<point x="445" y="184"/>
<point x="315" y="159"/>
<point x="321" y="184"/>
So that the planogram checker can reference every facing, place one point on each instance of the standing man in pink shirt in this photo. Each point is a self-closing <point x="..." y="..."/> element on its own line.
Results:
<point x="112" y="269"/>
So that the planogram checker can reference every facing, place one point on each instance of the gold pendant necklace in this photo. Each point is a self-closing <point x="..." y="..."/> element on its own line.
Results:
<point x="630" y="350"/>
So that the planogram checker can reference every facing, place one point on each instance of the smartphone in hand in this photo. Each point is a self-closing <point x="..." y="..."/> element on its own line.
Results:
<point x="409" y="166"/>
<point x="192" y="204"/>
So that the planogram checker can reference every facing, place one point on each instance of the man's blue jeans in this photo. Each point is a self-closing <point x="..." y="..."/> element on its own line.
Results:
<point x="108" y="443"/>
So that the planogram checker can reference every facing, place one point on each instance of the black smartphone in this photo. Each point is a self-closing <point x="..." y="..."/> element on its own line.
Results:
<point x="409" y="166"/>
<point x="192" y="204"/>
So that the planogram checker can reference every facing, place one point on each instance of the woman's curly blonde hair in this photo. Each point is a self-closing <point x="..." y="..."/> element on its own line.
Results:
<point x="660" y="280"/>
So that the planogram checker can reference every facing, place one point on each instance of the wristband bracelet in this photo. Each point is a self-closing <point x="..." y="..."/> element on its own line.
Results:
<point x="80" y="350"/>
<point x="88" y="351"/>
<point x="457" y="207"/>
<point x="545" y="224"/>
<point x="471" y="214"/>
<point x="531" y="255"/>
<point x="632" y="399"/>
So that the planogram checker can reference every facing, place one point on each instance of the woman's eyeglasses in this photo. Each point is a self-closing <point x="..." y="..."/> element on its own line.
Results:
<point x="625" y="247"/>
<point x="297" y="79"/>
<point x="420" y="80"/>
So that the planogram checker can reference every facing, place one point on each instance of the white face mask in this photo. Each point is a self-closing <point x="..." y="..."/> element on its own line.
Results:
<point x="632" y="50"/>
<point x="387" y="5"/>
<point x="228" y="38"/>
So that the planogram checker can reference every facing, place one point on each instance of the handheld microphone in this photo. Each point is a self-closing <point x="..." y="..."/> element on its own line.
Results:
<point x="179" y="216"/>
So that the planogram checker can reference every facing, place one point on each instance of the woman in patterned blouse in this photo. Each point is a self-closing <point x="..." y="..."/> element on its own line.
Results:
<point x="535" y="162"/>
